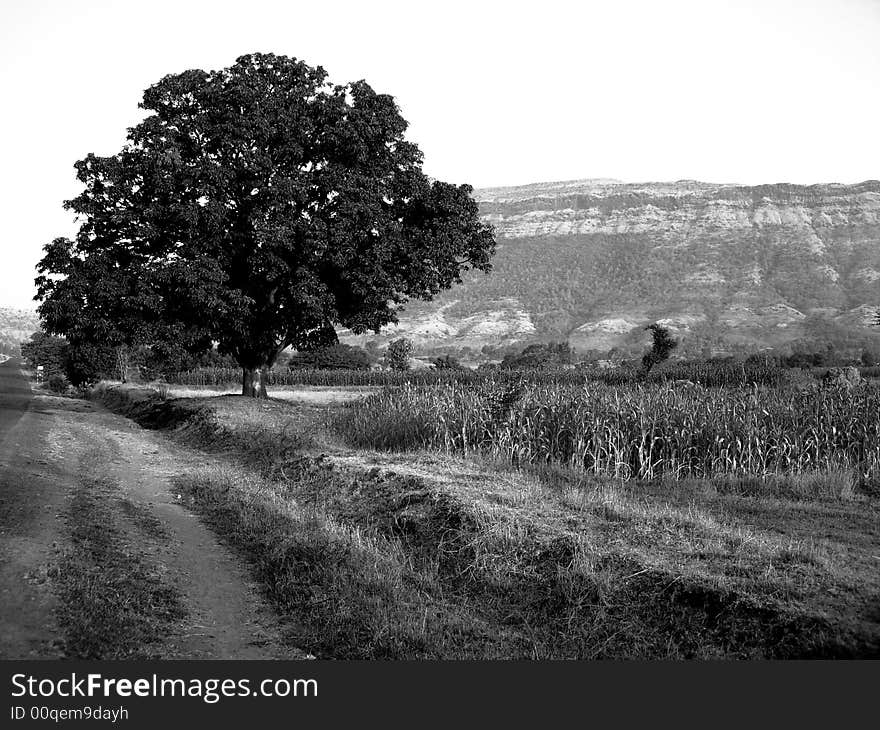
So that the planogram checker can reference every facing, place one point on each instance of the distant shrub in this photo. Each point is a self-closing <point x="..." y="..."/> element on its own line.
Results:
<point x="335" y="357"/>
<point x="48" y="351"/>
<point x="805" y="360"/>
<point x="57" y="383"/>
<point x="870" y="358"/>
<point x="398" y="354"/>
<point x="446" y="362"/>
<point x="540" y="355"/>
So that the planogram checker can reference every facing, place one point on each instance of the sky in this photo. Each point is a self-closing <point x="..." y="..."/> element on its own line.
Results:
<point x="496" y="93"/>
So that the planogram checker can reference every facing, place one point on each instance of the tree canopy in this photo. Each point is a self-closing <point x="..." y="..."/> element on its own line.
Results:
<point x="258" y="206"/>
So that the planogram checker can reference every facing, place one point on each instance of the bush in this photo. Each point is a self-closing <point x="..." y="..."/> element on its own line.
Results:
<point x="447" y="362"/>
<point x="540" y="355"/>
<point x="87" y="363"/>
<point x="399" y="353"/>
<point x="48" y="351"/>
<point x="58" y="383"/>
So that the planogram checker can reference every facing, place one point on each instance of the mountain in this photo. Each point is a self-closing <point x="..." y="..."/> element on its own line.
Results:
<point x="729" y="268"/>
<point x="16" y="326"/>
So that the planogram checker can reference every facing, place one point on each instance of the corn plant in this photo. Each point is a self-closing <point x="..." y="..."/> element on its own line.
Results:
<point x="641" y="430"/>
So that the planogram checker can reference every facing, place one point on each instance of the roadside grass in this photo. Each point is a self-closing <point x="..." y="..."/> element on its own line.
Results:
<point x="386" y="565"/>
<point x="422" y="555"/>
<point x="352" y="591"/>
<point x="256" y="430"/>
<point x="112" y="604"/>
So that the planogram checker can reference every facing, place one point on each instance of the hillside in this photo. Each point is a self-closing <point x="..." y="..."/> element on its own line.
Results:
<point x="729" y="268"/>
<point x="16" y="326"/>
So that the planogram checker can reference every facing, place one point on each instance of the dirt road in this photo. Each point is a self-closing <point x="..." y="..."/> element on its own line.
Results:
<point x="29" y="501"/>
<point x="97" y="557"/>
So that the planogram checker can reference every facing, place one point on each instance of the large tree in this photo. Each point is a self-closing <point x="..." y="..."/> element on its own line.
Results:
<point x="260" y="207"/>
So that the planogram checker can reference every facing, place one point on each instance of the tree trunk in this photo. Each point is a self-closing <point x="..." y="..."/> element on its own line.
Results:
<point x="253" y="382"/>
<point x="264" y="379"/>
<point x="122" y="363"/>
<point x="248" y="382"/>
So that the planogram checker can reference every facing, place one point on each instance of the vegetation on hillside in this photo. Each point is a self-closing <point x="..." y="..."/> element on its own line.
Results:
<point x="721" y="260"/>
<point x="16" y="326"/>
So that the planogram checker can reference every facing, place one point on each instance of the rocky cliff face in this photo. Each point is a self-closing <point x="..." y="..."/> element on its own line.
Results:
<point x="727" y="267"/>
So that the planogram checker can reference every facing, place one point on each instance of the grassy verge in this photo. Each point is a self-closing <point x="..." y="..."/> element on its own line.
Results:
<point x="264" y="443"/>
<point x="385" y="566"/>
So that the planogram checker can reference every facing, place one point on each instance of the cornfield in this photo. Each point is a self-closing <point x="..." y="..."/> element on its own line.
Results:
<point x="708" y="374"/>
<point x="642" y="431"/>
<point x="216" y="377"/>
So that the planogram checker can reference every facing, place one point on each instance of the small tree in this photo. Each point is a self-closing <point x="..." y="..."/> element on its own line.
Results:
<point x="399" y="353"/>
<point x="661" y="348"/>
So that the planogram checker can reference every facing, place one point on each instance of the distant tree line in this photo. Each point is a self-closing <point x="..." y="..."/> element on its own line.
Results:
<point x="8" y="347"/>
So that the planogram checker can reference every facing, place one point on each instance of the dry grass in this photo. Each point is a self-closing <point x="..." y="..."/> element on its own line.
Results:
<point x="303" y="394"/>
<point x="392" y="565"/>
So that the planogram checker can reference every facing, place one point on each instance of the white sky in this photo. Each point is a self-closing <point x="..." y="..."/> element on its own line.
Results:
<point x="497" y="93"/>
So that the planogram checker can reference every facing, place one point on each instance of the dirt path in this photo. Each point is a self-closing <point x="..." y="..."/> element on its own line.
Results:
<point x="31" y="500"/>
<point x="96" y="514"/>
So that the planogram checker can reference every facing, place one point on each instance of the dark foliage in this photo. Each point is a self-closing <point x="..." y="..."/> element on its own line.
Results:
<point x="335" y="357"/>
<point x="398" y="354"/>
<point x="540" y="355"/>
<point x="87" y="363"/>
<point x="48" y="351"/>
<point x="661" y="347"/>
<point x="446" y="362"/>
<point x="57" y="383"/>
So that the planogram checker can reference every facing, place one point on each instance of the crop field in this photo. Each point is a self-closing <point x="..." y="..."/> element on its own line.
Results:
<point x="705" y="373"/>
<point x="636" y="431"/>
